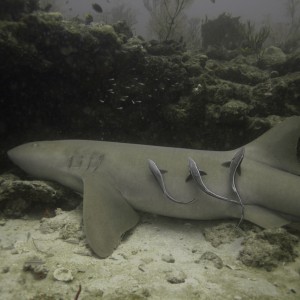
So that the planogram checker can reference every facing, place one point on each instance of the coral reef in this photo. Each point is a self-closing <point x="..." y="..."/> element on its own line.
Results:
<point x="224" y="31"/>
<point x="68" y="79"/>
<point x="81" y="79"/>
<point x="18" y="197"/>
<point x="268" y="248"/>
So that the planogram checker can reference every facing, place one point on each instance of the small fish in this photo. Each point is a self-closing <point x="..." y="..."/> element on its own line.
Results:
<point x="234" y="166"/>
<point x="97" y="8"/>
<point x="198" y="178"/>
<point x="158" y="176"/>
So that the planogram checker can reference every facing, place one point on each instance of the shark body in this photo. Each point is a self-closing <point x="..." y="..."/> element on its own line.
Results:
<point x="118" y="179"/>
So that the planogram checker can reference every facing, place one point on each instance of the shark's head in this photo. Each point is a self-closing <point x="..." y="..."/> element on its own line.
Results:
<point x="48" y="160"/>
<point x="39" y="159"/>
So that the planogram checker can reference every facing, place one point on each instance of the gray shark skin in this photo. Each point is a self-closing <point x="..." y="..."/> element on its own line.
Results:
<point x="116" y="181"/>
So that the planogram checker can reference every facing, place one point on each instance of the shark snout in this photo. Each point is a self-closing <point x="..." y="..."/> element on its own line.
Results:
<point x="14" y="154"/>
<point x="25" y="156"/>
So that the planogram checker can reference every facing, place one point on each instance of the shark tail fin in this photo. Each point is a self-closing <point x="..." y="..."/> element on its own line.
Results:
<point x="279" y="147"/>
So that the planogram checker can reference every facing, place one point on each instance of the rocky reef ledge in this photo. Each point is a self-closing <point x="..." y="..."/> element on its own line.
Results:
<point x="68" y="79"/>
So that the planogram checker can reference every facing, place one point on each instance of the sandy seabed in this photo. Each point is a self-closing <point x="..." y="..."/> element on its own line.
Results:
<point x="162" y="258"/>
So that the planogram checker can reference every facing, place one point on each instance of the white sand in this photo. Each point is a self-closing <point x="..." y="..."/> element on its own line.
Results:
<point x="140" y="268"/>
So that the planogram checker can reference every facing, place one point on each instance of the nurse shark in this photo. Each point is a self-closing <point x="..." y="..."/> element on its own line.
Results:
<point x="258" y="182"/>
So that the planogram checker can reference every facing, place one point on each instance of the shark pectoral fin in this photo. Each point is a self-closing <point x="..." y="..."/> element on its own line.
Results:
<point x="106" y="215"/>
<point x="263" y="217"/>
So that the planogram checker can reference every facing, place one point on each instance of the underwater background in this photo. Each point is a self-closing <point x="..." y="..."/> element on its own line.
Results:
<point x="207" y="74"/>
<point x="206" y="82"/>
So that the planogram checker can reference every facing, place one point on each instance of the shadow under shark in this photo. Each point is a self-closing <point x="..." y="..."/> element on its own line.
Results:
<point x="260" y="183"/>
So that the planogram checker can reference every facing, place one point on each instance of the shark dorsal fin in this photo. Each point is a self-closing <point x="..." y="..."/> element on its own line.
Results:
<point x="278" y="147"/>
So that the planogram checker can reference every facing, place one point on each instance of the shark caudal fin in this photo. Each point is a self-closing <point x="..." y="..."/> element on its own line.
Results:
<point x="279" y="147"/>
